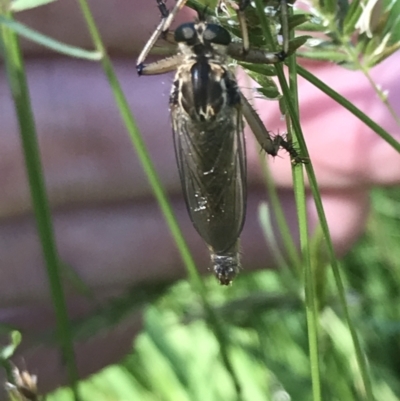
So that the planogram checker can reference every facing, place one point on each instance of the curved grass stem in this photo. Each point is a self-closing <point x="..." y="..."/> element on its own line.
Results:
<point x="19" y="88"/>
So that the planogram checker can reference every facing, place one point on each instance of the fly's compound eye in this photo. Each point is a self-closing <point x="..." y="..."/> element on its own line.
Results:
<point x="216" y="34"/>
<point x="185" y="33"/>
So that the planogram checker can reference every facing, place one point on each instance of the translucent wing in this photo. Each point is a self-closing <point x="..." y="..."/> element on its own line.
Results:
<point x="212" y="167"/>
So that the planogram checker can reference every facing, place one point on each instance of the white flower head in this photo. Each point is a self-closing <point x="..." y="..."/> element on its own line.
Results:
<point x="369" y="18"/>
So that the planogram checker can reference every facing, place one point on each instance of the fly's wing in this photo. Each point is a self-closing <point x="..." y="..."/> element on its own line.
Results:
<point x="211" y="160"/>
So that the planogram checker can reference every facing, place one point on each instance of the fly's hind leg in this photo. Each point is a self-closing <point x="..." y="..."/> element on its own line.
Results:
<point x="270" y="144"/>
<point x="295" y="158"/>
<point x="267" y="142"/>
<point x="167" y="18"/>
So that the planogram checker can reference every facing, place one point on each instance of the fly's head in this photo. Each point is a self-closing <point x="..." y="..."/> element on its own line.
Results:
<point x="203" y="40"/>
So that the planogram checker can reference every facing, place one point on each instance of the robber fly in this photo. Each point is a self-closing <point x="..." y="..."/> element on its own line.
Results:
<point x="207" y="111"/>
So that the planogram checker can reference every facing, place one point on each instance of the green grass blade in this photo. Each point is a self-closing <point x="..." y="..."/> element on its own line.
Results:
<point x="282" y="224"/>
<point x="48" y="42"/>
<point x="335" y="266"/>
<point x="22" y="5"/>
<point x="19" y="89"/>
<point x="290" y="96"/>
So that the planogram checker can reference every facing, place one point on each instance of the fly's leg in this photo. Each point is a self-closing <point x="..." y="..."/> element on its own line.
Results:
<point x="163" y="9"/>
<point x="270" y="144"/>
<point x="295" y="158"/>
<point x="161" y="66"/>
<point x="154" y="37"/>
<point x="239" y="9"/>
<point x="285" y="25"/>
<point x="167" y="18"/>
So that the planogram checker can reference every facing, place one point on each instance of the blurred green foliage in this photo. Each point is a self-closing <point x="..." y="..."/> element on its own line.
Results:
<point x="177" y="357"/>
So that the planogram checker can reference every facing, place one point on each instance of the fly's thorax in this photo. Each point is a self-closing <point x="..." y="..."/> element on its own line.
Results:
<point x="204" y="86"/>
<point x="199" y="50"/>
<point x="206" y="90"/>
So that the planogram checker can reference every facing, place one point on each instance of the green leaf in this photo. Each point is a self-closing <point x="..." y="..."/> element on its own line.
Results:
<point x="270" y="92"/>
<point x="372" y="45"/>
<point x="383" y="25"/>
<point x="263" y="69"/>
<point x="309" y="26"/>
<point x="20" y="5"/>
<point x="297" y="42"/>
<point x="282" y="106"/>
<point x="298" y="19"/>
<point x="329" y="7"/>
<point x="8" y="351"/>
<point x="48" y="42"/>
<point x="352" y="17"/>
<point x="268" y="86"/>
<point x="324" y="55"/>
<point x="343" y="8"/>
<point x="388" y="51"/>
<point x="394" y="21"/>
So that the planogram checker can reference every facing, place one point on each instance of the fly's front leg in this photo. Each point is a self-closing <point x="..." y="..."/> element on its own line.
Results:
<point x="285" y="25"/>
<point x="161" y="66"/>
<point x="167" y="18"/>
<point x="154" y="37"/>
<point x="239" y="9"/>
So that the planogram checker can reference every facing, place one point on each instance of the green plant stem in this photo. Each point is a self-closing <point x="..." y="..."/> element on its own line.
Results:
<point x="325" y="229"/>
<point x="299" y="191"/>
<point x="19" y="89"/>
<point x="380" y="94"/>
<point x="48" y="42"/>
<point x="349" y="106"/>
<point x="311" y="297"/>
<point x="283" y="226"/>
<point x="159" y="192"/>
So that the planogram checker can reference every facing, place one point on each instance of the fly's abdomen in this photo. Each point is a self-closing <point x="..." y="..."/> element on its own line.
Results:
<point x="226" y="265"/>
<point x="217" y="203"/>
